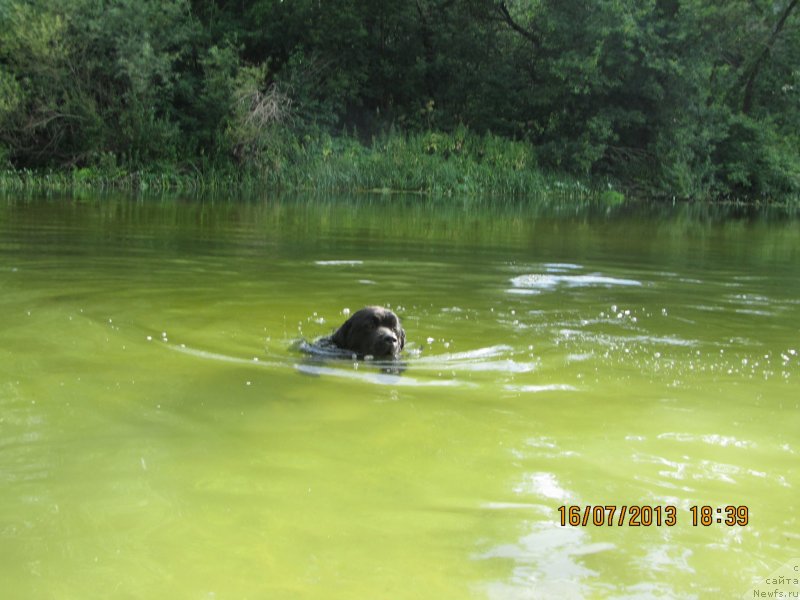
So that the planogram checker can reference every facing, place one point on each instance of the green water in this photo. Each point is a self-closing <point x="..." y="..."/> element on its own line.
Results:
<point x="160" y="436"/>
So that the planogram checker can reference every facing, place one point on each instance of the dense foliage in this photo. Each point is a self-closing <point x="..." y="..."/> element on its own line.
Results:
<point x="674" y="97"/>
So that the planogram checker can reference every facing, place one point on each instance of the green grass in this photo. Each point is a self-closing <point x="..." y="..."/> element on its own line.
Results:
<point x="431" y="163"/>
<point x="93" y="179"/>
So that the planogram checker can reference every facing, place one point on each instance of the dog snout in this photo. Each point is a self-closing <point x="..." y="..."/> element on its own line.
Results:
<point x="389" y="336"/>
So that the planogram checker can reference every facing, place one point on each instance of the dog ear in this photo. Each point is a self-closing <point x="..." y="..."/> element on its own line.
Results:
<point x="402" y="338"/>
<point x="340" y="337"/>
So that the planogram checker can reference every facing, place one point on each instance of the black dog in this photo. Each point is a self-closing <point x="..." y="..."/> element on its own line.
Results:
<point x="372" y="331"/>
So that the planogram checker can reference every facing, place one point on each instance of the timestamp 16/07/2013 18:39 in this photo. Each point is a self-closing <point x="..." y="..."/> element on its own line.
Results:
<point x="644" y="515"/>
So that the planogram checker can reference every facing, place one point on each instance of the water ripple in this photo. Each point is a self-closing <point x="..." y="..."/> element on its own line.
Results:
<point x="552" y="387"/>
<point x="378" y="377"/>
<point x="348" y="263"/>
<point x="335" y="364"/>
<point x="535" y="282"/>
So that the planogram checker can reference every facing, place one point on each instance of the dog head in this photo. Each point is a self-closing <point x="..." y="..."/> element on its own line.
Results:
<point x="372" y="331"/>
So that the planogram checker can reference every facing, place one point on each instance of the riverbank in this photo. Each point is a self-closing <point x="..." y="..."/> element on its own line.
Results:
<point x="432" y="163"/>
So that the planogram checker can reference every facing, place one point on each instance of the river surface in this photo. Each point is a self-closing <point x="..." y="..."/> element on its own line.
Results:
<point x="161" y="435"/>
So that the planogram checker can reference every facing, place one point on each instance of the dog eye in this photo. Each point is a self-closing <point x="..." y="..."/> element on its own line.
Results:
<point x="376" y="321"/>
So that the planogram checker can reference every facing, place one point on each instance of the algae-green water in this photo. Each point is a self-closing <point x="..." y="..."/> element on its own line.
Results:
<point x="161" y="435"/>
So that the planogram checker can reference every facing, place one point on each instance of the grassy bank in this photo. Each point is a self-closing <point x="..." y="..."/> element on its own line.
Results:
<point x="431" y="163"/>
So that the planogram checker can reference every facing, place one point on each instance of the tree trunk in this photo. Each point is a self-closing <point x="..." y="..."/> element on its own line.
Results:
<point x="751" y="74"/>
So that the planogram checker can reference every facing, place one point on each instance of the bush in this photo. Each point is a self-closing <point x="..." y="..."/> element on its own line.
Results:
<point x="754" y="160"/>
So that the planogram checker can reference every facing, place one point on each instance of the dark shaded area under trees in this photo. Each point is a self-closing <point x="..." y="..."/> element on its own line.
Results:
<point x="684" y="98"/>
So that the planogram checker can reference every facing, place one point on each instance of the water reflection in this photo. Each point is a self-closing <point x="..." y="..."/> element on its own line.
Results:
<point x="547" y="563"/>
